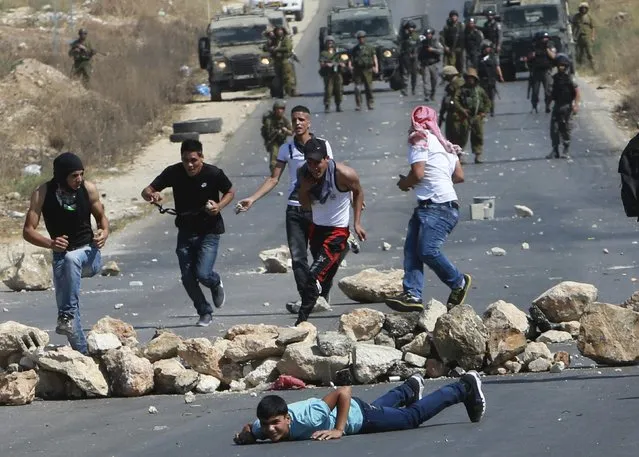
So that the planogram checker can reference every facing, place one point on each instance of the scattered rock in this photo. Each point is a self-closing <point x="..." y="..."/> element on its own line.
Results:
<point x="265" y="372"/>
<point x="420" y="345"/>
<point x="609" y="334"/>
<point x="372" y="286"/>
<point x="436" y="368"/>
<point x="276" y="260"/>
<point x="18" y="388"/>
<point x="99" y="343"/>
<point x="384" y="339"/>
<point x="164" y="345"/>
<point x="523" y="211"/>
<point x="370" y="361"/>
<point x="536" y="351"/>
<point x="539" y="365"/>
<point x="125" y="332"/>
<point x="170" y="377"/>
<point x="361" y="324"/>
<point x="237" y="386"/>
<point x="290" y="335"/>
<point x="207" y="384"/>
<point x="498" y="252"/>
<point x="554" y="336"/>
<point x="571" y="327"/>
<point x="399" y="324"/>
<point x="386" y="246"/>
<point x="253" y="347"/>
<point x="414" y="359"/>
<point x="201" y="355"/>
<point x="152" y="410"/>
<point x="32" y="272"/>
<point x="335" y="344"/>
<point x="110" y="269"/>
<point x="433" y="310"/>
<point x="308" y="364"/>
<point x="129" y="375"/>
<point x="512" y="366"/>
<point x="505" y="315"/>
<point x="189" y="397"/>
<point x="563" y="357"/>
<point x="504" y="344"/>
<point x="13" y="333"/>
<point x="557" y="367"/>
<point x="525" y="246"/>
<point x="460" y="336"/>
<point x="566" y="301"/>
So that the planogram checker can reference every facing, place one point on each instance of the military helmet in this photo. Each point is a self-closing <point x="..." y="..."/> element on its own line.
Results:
<point x="449" y="70"/>
<point x="562" y="59"/>
<point x="453" y="13"/>
<point x="584" y="5"/>
<point x="410" y="25"/>
<point x="431" y="31"/>
<point x="541" y="35"/>
<point x="279" y="104"/>
<point x="489" y="12"/>
<point x="360" y="34"/>
<point x="329" y="38"/>
<point x="472" y="72"/>
<point x="470" y="20"/>
<point x="82" y="32"/>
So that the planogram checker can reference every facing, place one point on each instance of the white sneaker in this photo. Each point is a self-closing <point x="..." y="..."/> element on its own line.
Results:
<point x="321" y="305"/>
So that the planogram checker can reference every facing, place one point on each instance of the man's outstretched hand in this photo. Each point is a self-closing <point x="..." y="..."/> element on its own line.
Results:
<point x="245" y="436"/>
<point x="323" y="435"/>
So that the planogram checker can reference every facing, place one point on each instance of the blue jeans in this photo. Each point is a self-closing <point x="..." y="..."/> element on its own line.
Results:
<point x="386" y="415"/>
<point x="68" y="269"/>
<point x="196" y="256"/>
<point x="427" y="230"/>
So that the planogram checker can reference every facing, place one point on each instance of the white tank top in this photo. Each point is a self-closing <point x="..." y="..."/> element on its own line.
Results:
<point x="335" y="212"/>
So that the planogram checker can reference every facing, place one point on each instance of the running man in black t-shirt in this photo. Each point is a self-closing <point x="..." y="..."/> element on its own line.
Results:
<point x="200" y="191"/>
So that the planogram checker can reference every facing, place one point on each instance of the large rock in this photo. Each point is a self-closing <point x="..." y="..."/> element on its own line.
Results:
<point x="125" y="332"/>
<point x="609" y="334"/>
<point x="170" y="377"/>
<point x="507" y="328"/>
<point x="207" y="384"/>
<point x="420" y="345"/>
<point x="539" y="365"/>
<point x="207" y="357"/>
<point x="361" y="324"/>
<point x="99" y="343"/>
<point x="433" y="310"/>
<point x="403" y="370"/>
<point x="251" y="329"/>
<point x="371" y="361"/>
<point x="554" y="336"/>
<point x="436" y="368"/>
<point x="18" y="388"/>
<point x="129" y="375"/>
<point x="535" y="351"/>
<point x="334" y="344"/>
<point x="505" y="315"/>
<point x="308" y="364"/>
<point x="632" y="302"/>
<point x="253" y="347"/>
<point x="290" y="335"/>
<point x="399" y="324"/>
<point x="276" y="260"/>
<point x="460" y="336"/>
<point x="372" y="286"/>
<point x="384" y="339"/>
<point x="32" y="272"/>
<point x="57" y="386"/>
<point x="13" y="333"/>
<point x="566" y="301"/>
<point x="265" y="372"/>
<point x="164" y="345"/>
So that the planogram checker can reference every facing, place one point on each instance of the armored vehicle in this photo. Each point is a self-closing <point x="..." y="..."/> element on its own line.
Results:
<point x="232" y="53"/>
<point x="521" y="20"/>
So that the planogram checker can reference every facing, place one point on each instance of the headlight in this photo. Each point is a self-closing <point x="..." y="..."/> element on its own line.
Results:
<point x="387" y="53"/>
<point x="264" y="61"/>
<point x="343" y="57"/>
<point x="221" y="65"/>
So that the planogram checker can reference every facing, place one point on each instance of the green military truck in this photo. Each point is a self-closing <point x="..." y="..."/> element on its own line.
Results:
<point x="377" y="21"/>
<point x="521" y="20"/>
<point x="232" y="53"/>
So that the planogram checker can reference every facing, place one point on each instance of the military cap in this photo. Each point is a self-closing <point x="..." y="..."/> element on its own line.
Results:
<point x="329" y="38"/>
<point x="449" y="70"/>
<point x="279" y="104"/>
<point x="472" y="72"/>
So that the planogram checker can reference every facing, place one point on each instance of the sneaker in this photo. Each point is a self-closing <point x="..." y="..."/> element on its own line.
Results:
<point x="405" y="303"/>
<point x="475" y="401"/>
<point x="64" y="326"/>
<point x="219" y="297"/>
<point x="417" y="384"/>
<point x="321" y="305"/>
<point x="457" y="296"/>
<point x="205" y="320"/>
<point x="353" y="244"/>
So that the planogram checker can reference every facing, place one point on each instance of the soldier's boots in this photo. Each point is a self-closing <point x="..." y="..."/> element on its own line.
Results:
<point x="327" y="108"/>
<point x="338" y="108"/>
<point x="554" y="154"/>
<point x="565" y="153"/>
<point x="478" y="158"/>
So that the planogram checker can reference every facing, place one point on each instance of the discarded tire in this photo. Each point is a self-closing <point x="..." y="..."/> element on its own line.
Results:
<point x="204" y="125"/>
<point x="179" y="137"/>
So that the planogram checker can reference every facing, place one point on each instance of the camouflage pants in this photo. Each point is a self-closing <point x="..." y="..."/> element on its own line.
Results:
<point x="429" y="74"/>
<point x="272" y="150"/>
<point x="285" y="78"/>
<point x="333" y="87"/>
<point x="82" y="69"/>
<point x="540" y="78"/>
<point x="456" y="59"/>
<point x="474" y="127"/>
<point x="365" y="78"/>
<point x="409" y="68"/>
<point x="583" y="48"/>
<point x="561" y="125"/>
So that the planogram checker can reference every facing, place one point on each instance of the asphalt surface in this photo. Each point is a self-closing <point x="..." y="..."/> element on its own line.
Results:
<point x="578" y="214"/>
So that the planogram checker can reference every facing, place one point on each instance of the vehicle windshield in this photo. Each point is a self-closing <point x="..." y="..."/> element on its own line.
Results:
<point x="227" y="36"/>
<point x="531" y="16"/>
<point x="373" y="26"/>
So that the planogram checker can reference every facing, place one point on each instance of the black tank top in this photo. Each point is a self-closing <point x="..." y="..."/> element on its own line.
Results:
<point x="72" y="218"/>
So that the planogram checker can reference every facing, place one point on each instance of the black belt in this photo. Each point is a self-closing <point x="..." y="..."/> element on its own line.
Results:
<point x="451" y="204"/>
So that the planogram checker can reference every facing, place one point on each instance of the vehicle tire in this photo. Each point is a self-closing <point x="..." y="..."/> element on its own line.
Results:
<point x="216" y="93"/>
<point x="200" y="126"/>
<point x="179" y="137"/>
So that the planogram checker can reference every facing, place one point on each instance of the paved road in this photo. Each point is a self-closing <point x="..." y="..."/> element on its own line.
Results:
<point x="577" y="215"/>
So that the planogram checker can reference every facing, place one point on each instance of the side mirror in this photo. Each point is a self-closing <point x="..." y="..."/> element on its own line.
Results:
<point x="294" y="30"/>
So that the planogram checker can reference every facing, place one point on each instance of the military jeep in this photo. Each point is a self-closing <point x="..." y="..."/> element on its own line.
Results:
<point x="521" y="20"/>
<point x="376" y="20"/>
<point x="232" y="53"/>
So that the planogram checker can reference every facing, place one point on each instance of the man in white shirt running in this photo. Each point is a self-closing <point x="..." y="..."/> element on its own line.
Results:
<point x="435" y="168"/>
<point x="298" y="219"/>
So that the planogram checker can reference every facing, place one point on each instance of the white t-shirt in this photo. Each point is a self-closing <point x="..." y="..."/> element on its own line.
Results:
<point x="437" y="183"/>
<point x="294" y="159"/>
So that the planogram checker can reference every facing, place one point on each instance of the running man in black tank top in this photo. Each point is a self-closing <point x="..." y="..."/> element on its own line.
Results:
<point x="67" y="203"/>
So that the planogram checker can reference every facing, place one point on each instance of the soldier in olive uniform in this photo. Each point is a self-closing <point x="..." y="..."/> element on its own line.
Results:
<point x="452" y="38"/>
<point x="82" y="52"/>
<point x="408" y="45"/>
<point x="454" y="83"/>
<point x="281" y="50"/>
<point x="275" y="129"/>
<point x="565" y="95"/>
<point x="489" y="73"/>
<point x="430" y="53"/>
<point x="470" y="106"/>
<point x="331" y="69"/>
<point x="365" y="65"/>
<point x="584" y="33"/>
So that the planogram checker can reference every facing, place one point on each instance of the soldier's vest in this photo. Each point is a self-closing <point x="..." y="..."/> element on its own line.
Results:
<point x="491" y="32"/>
<point x="429" y="58"/>
<point x="473" y="42"/>
<point x="363" y="57"/>
<point x="582" y="22"/>
<point x="563" y="89"/>
<point x="470" y="99"/>
<point x="326" y="56"/>
<point x="541" y="61"/>
<point x="451" y="34"/>
<point x="409" y="44"/>
<point x="487" y="70"/>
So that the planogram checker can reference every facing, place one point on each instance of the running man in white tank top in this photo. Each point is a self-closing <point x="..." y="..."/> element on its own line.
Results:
<point x="326" y="187"/>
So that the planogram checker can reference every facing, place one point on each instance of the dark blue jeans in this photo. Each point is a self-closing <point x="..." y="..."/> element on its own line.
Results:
<point x="196" y="256"/>
<point x="427" y="231"/>
<point x="386" y="415"/>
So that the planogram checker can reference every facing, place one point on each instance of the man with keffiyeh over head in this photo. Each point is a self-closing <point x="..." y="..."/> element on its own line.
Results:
<point x="434" y="169"/>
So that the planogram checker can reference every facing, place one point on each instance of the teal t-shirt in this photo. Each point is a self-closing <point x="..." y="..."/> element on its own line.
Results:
<point x="313" y="414"/>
